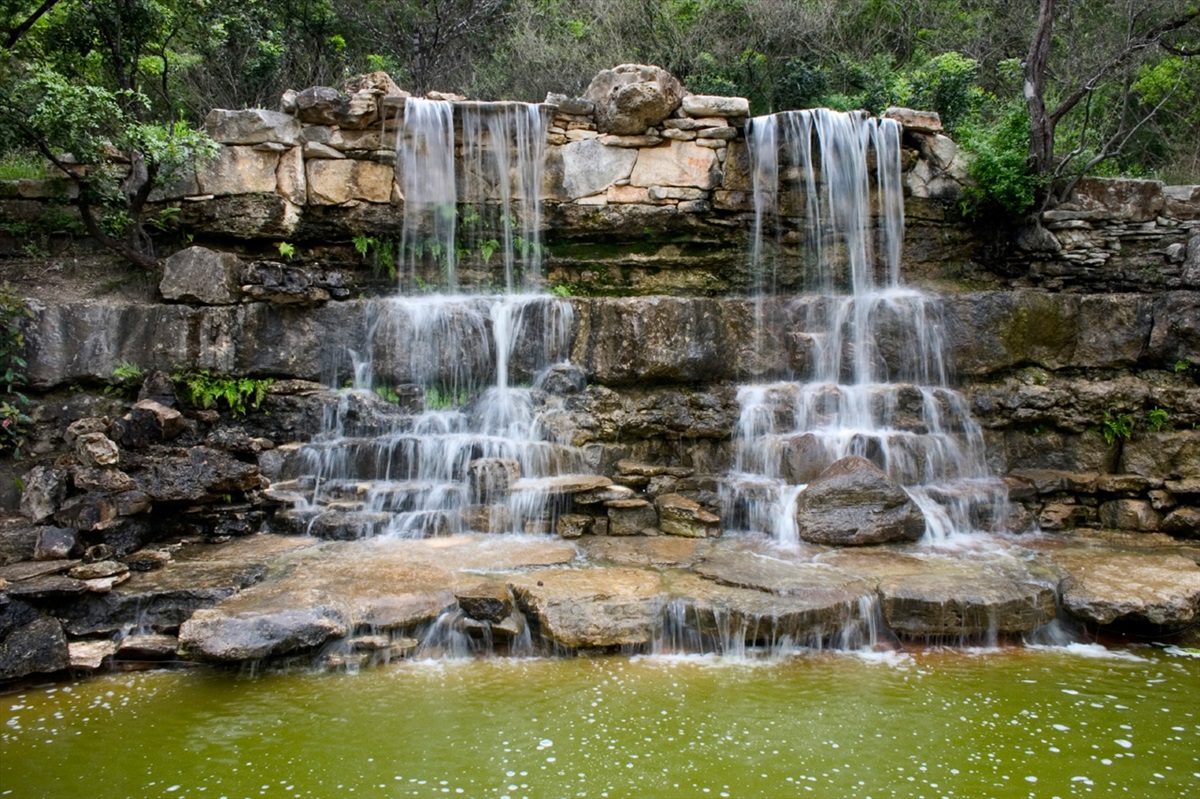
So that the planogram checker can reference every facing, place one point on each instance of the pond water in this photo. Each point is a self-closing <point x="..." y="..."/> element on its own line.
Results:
<point x="1074" y="721"/>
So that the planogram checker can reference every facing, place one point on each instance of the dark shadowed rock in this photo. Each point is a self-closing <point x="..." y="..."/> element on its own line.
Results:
<point x="486" y="600"/>
<point x="201" y="275"/>
<point x="87" y="512"/>
<point x="854" y="503"/>
<point x="158" y="386"/>
<point x="226" y="635"/>
<point x="148" y="422"/>
<point x="38" y="647"/>
<point x="199" y="474"/>
<point x="632" y="517"/>
<point x="56" y="543"/>
<point x="160" y="600"/>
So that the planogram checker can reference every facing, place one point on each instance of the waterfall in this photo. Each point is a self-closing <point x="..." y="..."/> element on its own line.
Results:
<point x="876" y="383"/>
<point x="489" y="211"/>
<point x="436" y="422"/>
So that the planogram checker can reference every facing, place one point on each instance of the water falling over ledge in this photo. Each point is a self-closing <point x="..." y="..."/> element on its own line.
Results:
<point x="874" y="382"/>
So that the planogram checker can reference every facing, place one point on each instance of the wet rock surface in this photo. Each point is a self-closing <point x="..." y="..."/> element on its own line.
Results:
<point x="1104" y="587"/>
<point x="593" y="608"/>
<point x="273" y="596"/>
<point x="852" y="502"/>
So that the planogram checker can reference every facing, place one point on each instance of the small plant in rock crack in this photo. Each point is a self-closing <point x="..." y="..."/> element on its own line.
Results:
<point x="1116" y="426"/>
<point x="1157" y="420"/>
<point x="238" y="394"/>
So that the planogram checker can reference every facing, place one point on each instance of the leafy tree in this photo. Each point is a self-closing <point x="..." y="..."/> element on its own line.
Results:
<point x="1077" y="56"/>
<point x="72" y="83"/>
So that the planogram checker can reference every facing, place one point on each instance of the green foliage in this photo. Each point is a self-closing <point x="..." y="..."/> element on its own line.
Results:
<point x="383" y="251"/>
<point x="126" y="379"/>
<point x="440" y="398"/>
<point x="388" y="394"/>
<point x="563" y="290"/>
<point x="487" y="249"/>
<point x="1181" y="366"/>
<point x="237" y="394"/>
<point x="286" y="250"/>
<point x="946" y="84"/>
<point x="14" y="418"/>
<point x="22" y="166"/>
<point x="363" y="243"/>
<point x="1002" y="179"/>
<point x="1116" y="426"/>
<point x="1157" y="420"/>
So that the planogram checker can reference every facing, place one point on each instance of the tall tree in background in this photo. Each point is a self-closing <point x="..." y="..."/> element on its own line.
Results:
<point x="76" y="79"/>
<point x="1084" y="60"/>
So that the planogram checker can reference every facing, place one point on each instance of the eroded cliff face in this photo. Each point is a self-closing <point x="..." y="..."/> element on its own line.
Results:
<point x="1076" y="344"/>
<point x="1083" y="332"/>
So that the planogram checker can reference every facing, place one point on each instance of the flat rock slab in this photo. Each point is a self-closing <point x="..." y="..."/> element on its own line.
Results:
<point x="733" y="615"/>
<point x="328" y="592"/>
<point x="592" y="608"/>
<point x="148" y="647"/>
<point x="30" y="569"/>
<point x="641" y="551"/>
<point x="260" y="547"/>
<point x="1106" y="587"/>
<point x="974" y="601"/>
<point x="817" y="583"/>
<point x="485" y="553"/>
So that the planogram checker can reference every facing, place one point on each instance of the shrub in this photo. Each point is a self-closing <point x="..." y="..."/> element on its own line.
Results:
<point x="1003" y="180"/>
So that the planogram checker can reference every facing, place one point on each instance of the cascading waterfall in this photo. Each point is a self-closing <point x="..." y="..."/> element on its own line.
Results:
<point x="460" y="429"/>
<point x="876" y="382"/>
<point x="502" y="149"/>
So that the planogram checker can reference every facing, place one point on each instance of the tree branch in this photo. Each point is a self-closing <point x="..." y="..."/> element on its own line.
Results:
<point x="15" y="34"/>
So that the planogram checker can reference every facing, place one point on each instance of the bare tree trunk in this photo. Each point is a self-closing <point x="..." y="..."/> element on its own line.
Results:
<point x="1041" y="125"/>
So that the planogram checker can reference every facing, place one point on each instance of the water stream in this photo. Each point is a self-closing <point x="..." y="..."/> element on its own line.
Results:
<point x="458" y="369"/>
<point x="827" y="194"/>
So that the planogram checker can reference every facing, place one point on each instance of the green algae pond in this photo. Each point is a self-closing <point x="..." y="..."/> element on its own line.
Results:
<point x="1014" y="722"/>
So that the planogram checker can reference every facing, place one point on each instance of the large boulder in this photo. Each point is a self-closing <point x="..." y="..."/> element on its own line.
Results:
<point x="334" y="182"/>
<point x="1106" y="587"/>
<point x="964" y="602"/>
<point x="589" y="167"/>
<point x="239" y="169"/>
<point x="321" y="105"/>
<point x="201" y="275"/>
<point x="679" y="163"/>
<point x="198" y="474"/>
<point x="853" y="503"/>
<point x="632" y="97"/>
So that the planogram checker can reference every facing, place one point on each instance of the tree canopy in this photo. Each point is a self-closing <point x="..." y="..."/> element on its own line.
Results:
<point x="1041" y="91"/>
